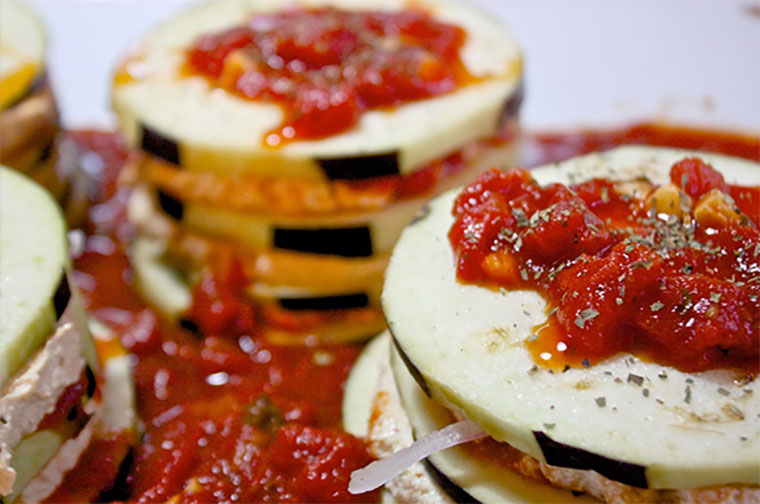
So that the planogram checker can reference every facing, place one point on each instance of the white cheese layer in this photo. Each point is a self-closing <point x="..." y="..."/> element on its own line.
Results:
<point x="116" y="413"/>
<point x="34" y="392"/>
<point x="372" y="410"/>
<point x="213" y="127"/>
<point x="468" y="344"/>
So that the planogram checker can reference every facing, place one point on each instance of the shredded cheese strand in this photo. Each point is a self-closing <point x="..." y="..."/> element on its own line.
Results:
<point x="380" y="472"/>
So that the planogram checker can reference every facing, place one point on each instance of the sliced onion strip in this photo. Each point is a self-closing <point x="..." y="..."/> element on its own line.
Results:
<point x="382" y="471"/>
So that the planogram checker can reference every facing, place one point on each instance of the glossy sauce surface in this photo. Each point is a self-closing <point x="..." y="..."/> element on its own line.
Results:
<point x="227" y="416"/>
<point x="326" y="66"/>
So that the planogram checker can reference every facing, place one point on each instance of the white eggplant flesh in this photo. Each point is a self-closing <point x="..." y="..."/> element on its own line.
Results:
<point x="34" y="289"/>
<point x="361" y="387"/>
<point x="158" y="283"/>
<point x="466" y="345"/>
<point x="486" y="480"/>
<point x="362" y="234"/>
<point x="208" y="129"/>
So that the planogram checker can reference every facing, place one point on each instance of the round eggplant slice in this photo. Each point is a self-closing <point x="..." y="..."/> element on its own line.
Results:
<point x="33" y="452"/>
<point x="22" y="51"/>
<point x="166" y="289"/>
<point x="465" y="346"/>
<point x="33" y="260"/>
<point x="158" y="283"/>
<point x="296" y="197"/>
<point x="350" y="235"/>
<point x="300" y="299"/>
<point x="361" y="387"/>
<point x="184" y="120"/>
<point x="483" y="479"/>
<point x="314" y="273"/>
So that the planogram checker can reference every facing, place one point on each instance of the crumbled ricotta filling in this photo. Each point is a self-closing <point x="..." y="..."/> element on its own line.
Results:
<point x="34" y="391"/>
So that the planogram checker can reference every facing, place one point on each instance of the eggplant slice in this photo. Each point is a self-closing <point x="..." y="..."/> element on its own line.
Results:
<point x="183" y="119"/>
<point x="466" y="343"/>
<point x="482" y="479"/>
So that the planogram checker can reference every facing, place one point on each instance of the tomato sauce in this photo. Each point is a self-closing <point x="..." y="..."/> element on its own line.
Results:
<point x="552" y="147"/>
<point x="326" y="66"/>
<point x="226" y="415"/>
<point x="100" y="464"/>
<point x="676" y="283"/>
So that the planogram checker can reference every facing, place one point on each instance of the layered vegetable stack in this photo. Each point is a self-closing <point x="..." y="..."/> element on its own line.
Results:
<point x="591" y="326"/>
<point x="283" y="150"/>
<point x="29" y="122"/>
<point x="63" y="392"/>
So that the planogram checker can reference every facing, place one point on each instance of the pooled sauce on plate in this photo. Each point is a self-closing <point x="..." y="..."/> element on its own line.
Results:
<point x="228" y="416"/>
<point x="326" y="66"/>
<point x="670" y="273"/>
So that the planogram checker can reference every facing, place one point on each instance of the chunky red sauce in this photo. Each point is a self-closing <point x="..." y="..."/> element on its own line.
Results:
<point x="226" y="416"/>
<point x="673" y="277"/>
<point x="230" y="416"/>
<point x="326" y="66"/>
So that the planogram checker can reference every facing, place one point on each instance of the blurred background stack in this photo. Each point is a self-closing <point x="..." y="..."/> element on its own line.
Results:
<point x="29" y="119"/>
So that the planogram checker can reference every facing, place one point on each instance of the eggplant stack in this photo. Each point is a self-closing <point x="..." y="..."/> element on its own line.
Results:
<point x="29" y="120"/>
<point x="60" y="395"/>
<point x="311" y="220"/>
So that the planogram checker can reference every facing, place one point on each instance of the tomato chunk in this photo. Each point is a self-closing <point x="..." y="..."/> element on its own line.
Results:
<point x="326" y="66"/>
<point x="678" y="288"/>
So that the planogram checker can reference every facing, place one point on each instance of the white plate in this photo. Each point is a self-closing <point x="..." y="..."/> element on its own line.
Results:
<point x="587" y="62"/>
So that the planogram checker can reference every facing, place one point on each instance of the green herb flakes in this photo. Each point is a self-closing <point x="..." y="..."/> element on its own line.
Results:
<point x="519" y="214"/>
<point x="585" y="316"/>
